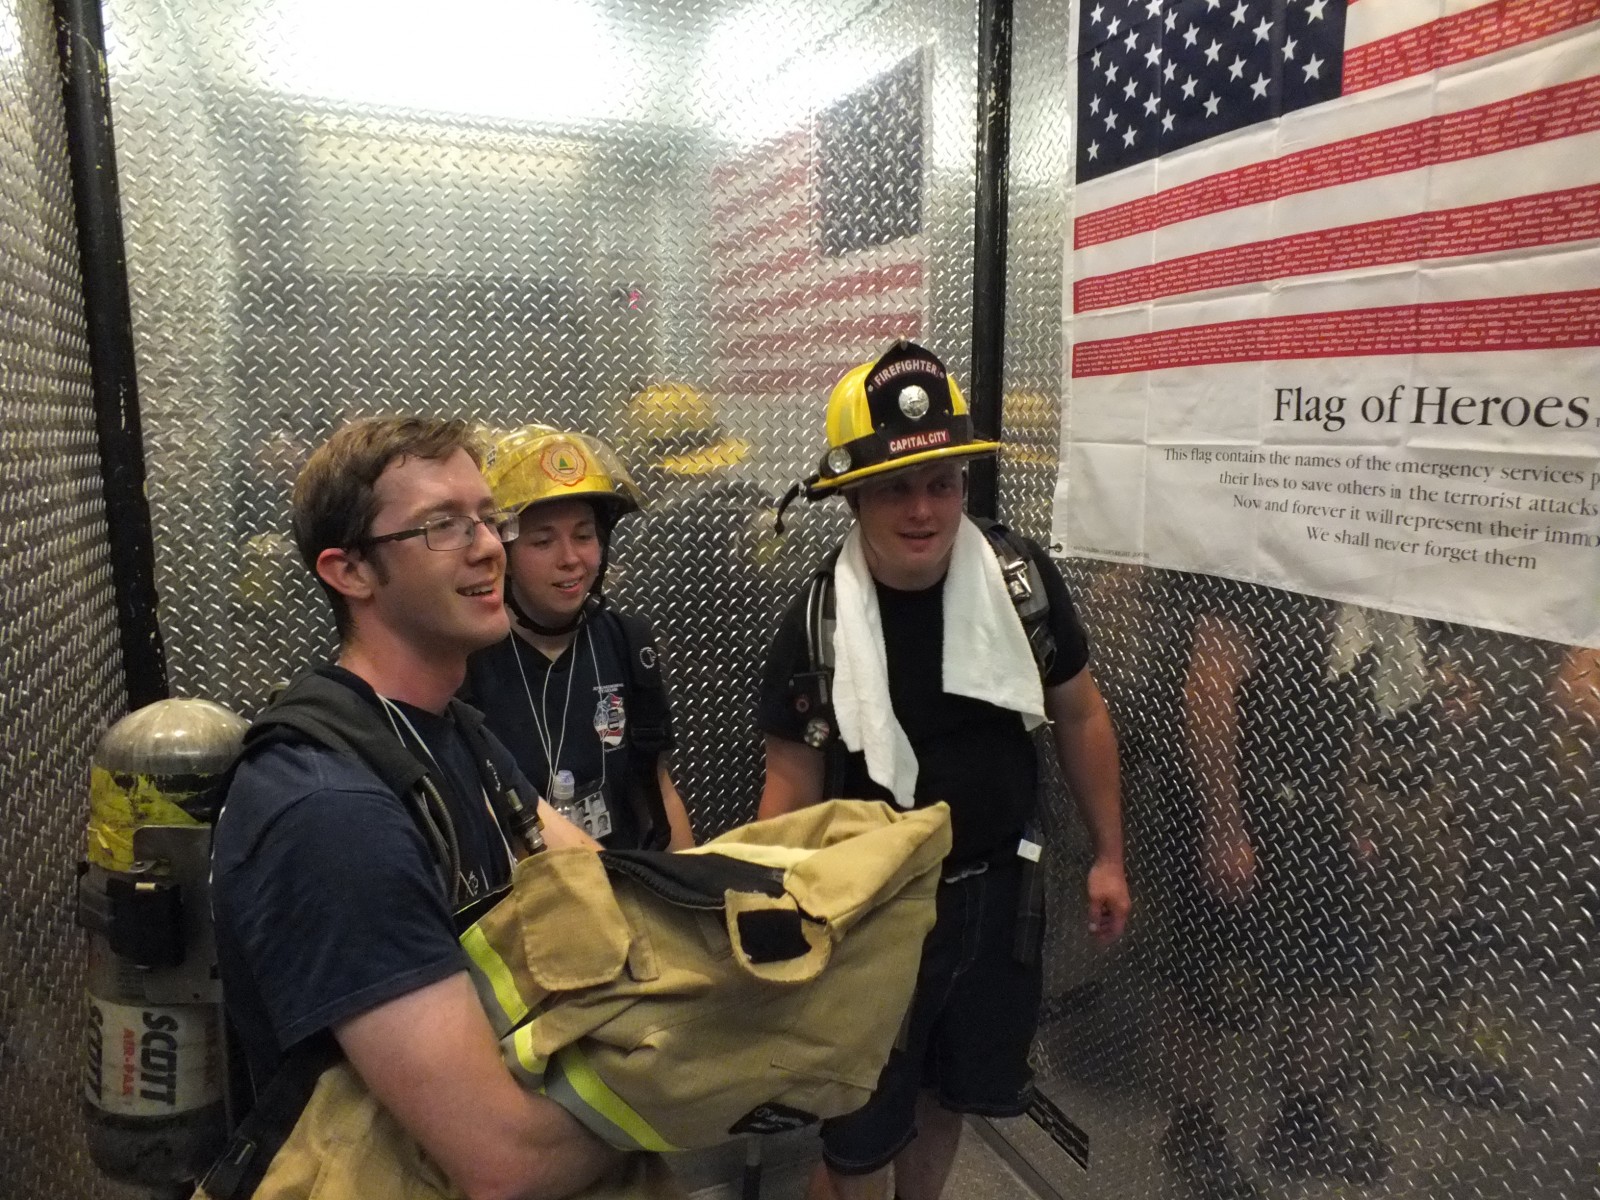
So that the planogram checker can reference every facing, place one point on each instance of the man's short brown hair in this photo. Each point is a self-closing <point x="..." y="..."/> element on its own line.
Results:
<point x="335" y="497"/>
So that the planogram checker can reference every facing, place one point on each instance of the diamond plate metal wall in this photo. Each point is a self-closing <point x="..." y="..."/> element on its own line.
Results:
<point x="62" y="667"/>
<point x="328" y="217"/>
<point x="1420" y="947"/>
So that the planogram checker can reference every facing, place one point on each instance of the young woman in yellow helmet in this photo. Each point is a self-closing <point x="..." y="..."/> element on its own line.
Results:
<point x="576" y="690"/>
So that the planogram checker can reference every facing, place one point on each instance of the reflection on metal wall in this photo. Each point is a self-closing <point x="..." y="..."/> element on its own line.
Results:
<point x="327" y="219"/>
<point x="1382" y="981"/>
<point x="62" y="672"/>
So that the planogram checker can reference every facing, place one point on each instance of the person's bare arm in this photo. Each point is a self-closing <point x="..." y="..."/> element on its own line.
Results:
<point x="1220" y="661"/>
<point x="677" y="814"/>
<point x="794" y="777"/>
<point x="1086" y="745"/>
<point x="431" y="1059"/>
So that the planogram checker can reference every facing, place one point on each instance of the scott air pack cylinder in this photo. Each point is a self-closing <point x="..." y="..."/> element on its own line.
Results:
<point x="154" y="1072"/>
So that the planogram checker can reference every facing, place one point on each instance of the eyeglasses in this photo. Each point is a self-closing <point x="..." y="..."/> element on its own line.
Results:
<point x="453" y="533"/>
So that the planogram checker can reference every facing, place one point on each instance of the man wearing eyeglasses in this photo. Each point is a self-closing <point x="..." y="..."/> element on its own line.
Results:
<point x="370" y="818"/>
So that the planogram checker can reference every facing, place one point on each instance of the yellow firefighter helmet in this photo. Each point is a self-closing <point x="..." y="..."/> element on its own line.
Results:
<point x="538" y="463"/>
<point x="899" y="411"/>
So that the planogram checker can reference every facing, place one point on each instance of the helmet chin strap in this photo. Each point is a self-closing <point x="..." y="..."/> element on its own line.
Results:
<point x="592" y="603"/>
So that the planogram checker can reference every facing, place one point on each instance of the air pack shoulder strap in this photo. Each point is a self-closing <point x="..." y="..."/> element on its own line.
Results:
<point x="243" y="1164"/>
<point x="511" y="808"/>
<point x="811" y="688"/>
<point x="330" y="714"/>
<point x="649" y="723"/>
<point x="1025" y="586"/>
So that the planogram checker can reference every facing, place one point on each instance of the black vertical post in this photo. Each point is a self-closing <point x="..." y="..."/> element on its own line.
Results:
<point x="80" y="41"/>
<point x="989" y="242"/>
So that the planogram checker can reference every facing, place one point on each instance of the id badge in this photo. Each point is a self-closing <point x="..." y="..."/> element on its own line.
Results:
<point x="592" y="813"/>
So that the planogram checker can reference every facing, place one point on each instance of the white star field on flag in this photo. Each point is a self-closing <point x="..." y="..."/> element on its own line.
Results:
<point x="1158" y="75"/>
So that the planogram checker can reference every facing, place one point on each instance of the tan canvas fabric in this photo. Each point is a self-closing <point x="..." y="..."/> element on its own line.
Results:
<point x="654" y="1023"/>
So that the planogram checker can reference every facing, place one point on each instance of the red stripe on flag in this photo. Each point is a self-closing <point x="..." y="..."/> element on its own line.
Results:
<point x="842" y="287"/>
<point x="1459" y="37"/>
<point x="726" y="176"/>
<point x="783" y="313"/>
<point x="791" y="181"/>
<point x="1542" y="220"/>
<point x="1556" y="112"/>
<point x="797" y="216"/>
<point x="1554" y="320"/>
<point x="769" y="270"/>
<point x="824" y="336"/>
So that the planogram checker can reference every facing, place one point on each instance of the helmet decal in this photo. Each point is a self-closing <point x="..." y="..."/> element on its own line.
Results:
<point x="903" y="359"/>
<point x="919" y="441"/>
<point x="563" y="462"/>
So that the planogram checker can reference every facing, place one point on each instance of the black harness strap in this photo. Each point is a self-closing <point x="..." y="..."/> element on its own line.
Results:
<point x="250" y="1151"/>
<point x="649" y="726"/>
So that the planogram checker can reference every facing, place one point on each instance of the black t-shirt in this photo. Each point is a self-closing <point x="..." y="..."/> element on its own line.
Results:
<point x="326" y="896"/>
<point x="976" y="757"/>
<point x="575" y="709"/>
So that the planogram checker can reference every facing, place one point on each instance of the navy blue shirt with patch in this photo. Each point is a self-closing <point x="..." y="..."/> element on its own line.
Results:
<point x="575" y="709"/>
<point x="326" y="897"/>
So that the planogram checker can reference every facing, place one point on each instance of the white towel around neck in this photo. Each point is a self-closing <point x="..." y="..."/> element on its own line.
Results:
<point x="985" y="655"/>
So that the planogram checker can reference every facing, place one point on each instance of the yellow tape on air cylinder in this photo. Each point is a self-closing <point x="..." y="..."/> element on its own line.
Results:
<point x="120" y="803"/>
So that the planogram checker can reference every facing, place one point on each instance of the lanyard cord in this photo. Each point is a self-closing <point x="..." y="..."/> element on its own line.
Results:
<point x="536" y="711"/>
<point x="446" y="843"/>
<point x="594" y="663"/>
<point x="449" y="838"/>
<point x="393" y="710"/>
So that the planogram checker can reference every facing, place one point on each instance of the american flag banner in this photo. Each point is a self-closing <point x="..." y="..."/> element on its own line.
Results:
<point x="818" y="254"/>
<point x="1333" y="310"/>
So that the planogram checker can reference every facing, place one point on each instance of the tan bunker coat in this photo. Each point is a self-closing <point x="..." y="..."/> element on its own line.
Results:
<point x="671" y="1002"/>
